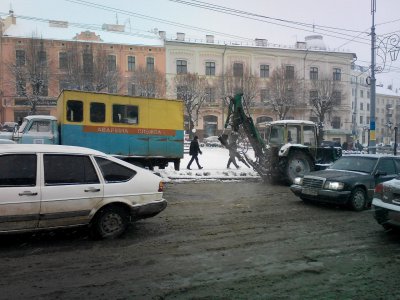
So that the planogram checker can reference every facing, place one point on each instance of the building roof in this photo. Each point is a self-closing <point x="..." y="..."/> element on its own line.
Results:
<point x="25" y="27"/>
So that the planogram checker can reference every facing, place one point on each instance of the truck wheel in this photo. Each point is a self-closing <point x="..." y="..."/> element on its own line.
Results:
<point x="110" y="222"/>
<point x="298" y="164"/>
<point x="358" y="199"/>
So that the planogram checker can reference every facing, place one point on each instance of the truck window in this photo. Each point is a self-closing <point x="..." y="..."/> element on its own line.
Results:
<point x="294" y="134"/>
<point x="97" y="112"/>
<point x="276" y="135"/>
<point x="74" y="111"/>
<point x="40" y="126"/>
<point x="309" y="135"/>
<point x="126" y="114"/>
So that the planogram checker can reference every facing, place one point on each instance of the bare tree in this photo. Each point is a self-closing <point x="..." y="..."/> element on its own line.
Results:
<point x="148" y="83"/>
<point x="325" y="96"/>
<point x="191" y="88"/>
<point x="285" y="90"/>
<point x="90" y="70"/>
<point x="31" y="73"/>
<point x="242" y="81"/>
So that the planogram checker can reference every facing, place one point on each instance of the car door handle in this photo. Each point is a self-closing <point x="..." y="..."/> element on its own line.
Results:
<point x="92" y="190"/>
<point x="27" y="193"/>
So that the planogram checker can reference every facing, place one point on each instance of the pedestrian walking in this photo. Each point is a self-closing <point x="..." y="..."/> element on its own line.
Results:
<point x="194" y="151"/>
<point x="232" y="155"/>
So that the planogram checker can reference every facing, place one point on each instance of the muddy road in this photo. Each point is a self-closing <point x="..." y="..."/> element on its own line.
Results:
<point x="235" y="240"/>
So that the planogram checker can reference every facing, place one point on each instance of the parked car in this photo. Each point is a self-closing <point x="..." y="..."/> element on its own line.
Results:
<point x="386" y="204"/>
<point x="6" y="141"/>
<point x="8" y="126"/>
<point x="349" y="180"/>
<point x="51" y="186"/>
<point x="212" y="141"/>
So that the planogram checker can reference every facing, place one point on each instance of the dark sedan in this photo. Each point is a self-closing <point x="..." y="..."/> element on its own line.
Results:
<point x="350" y="180"/>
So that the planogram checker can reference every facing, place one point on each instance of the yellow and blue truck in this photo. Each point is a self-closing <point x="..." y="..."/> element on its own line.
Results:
<point x="144" y="131"/>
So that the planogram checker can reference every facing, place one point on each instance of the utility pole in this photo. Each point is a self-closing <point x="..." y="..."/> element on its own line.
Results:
<point x="372" y="144"/>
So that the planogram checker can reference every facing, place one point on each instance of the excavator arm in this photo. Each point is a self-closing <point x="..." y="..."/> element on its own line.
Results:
<point x="238" y="119"/>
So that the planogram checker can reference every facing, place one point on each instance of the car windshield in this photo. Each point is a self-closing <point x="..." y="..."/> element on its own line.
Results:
<point x="354" y="163"/>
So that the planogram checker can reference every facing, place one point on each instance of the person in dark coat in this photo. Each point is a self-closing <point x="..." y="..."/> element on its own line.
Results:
<point x="194" y="151"/>
<point x="232" y="155"/>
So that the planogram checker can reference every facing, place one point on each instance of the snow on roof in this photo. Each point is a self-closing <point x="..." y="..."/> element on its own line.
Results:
<point x="65" y="31"/>
<point x="386" y="92"/>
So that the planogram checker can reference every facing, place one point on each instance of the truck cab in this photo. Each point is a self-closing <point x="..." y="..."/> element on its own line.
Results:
<point x="37" y="129"/>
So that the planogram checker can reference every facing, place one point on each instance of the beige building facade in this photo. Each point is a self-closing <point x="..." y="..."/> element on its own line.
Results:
<point x="214" y="60"/>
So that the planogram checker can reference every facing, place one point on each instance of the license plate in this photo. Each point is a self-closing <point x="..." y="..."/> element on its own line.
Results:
<point x="310" y="192"/>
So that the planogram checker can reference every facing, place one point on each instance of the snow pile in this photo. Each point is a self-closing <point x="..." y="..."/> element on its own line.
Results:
<point x="214" y="161"/>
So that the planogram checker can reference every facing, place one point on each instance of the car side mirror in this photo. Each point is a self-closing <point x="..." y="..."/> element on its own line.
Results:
<point x="380" y="173"/>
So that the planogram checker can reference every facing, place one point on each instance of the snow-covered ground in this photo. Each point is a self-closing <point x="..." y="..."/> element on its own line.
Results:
<point x="214" y="161"/>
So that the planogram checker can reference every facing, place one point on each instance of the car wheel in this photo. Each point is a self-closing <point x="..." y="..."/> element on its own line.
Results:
<point x="110" y="222"/>
<point x="298" y="164"/>
<point x="358" y="199"/>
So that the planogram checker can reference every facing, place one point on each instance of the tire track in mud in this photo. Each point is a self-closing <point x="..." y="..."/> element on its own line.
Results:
<point x="215" y="240"/>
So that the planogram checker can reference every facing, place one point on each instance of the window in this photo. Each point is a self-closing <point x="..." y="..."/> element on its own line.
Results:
<point x="132" y="89"/>
<point x="210" y="94"/>
<point x="74" y="111"/>
<point x="387" y="166"/>
<point x="238" y="70"/>
<point x="367" y="106"/>
<point x="313" y="96"/>
<point x="63" y="85"/>
<point x="181" y="92"/>
<point x="314" y="73"/>
<point x="289" y="72"/>
<point x="361" y="120"/>
<point x="368" y="94"/>
<point x="44" y="88"/>
<point x="131" y="63"/>
<point x="42" y="58"/>
<point x="68" y="169"/>
<point x="17" y="170"/>
<point x="150" y="64"/>
<point x="361" y="93"/>
<point x="97" y="112"/>
<point x="63" y="60"/>
<point x="113" y="172"/>
<point x="20" y="86"/>
<point x="112" y="88"/>
<point x="336" y="123"/>
<point x="361" y="106"/>
<point x="276" y="135"/>
<point x="87" y="63"/>
<point x="309" y="135"/>
<point x="294" y="134"/>
<point x="337" y="74"/>
<point x="210" y="68"/>
<point x="264" y="95"/>
<point x="337" y="97"/>
<point x="181" y="66"/>
<point x="126" y="114"/>
<point x="111" y="62"/>
<point x="20" y="58"/>
<point x="353" y="92"/>
<point x="264" y="71"/>
<point x="40" y="126"/>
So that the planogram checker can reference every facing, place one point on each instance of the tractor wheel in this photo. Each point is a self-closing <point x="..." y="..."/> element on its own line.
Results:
<point x="298" y="164"/>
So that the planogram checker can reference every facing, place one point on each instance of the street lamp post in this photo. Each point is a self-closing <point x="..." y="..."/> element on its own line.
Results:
<point x="395" y="140"/>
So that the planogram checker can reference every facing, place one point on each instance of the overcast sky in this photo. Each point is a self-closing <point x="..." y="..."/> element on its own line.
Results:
<point x="345" y="24"/>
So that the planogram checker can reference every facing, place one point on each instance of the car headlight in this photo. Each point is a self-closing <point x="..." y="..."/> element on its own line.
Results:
<point x="333" y="185"/>
<point x="298" y="181"/>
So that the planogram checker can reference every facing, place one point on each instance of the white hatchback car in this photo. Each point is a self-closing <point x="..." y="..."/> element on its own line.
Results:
<point x="51" y="186"/>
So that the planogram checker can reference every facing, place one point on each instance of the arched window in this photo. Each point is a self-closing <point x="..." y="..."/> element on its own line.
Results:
<point x="210" y="125"/>
<point x="263" y="119"/>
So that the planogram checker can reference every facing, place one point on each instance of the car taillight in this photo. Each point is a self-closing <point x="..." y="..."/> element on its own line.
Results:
<point x="161" y="186"/>
<point x="379" y="190"/>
